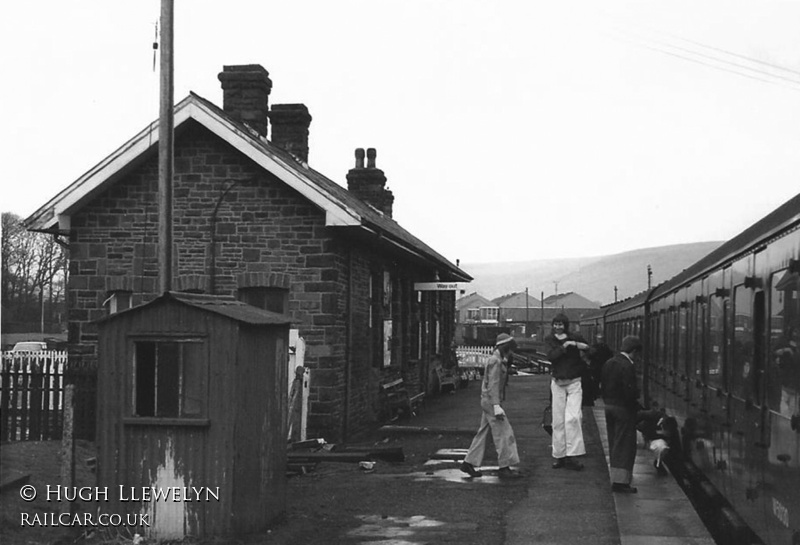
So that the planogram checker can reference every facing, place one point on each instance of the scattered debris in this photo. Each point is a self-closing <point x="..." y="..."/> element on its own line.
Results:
<point x="393" y="429"/>
<point x="382" y="452"/>
<point x="308" y="444"/>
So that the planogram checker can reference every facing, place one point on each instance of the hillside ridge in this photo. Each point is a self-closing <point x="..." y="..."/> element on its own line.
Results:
<point x="593" y="277"/>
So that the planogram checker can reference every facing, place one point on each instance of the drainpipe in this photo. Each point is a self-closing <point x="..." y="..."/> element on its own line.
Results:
<point x="348" y="349"/>
<point x="212" y="273"/>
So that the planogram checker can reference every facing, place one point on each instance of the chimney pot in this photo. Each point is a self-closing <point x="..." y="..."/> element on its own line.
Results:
<point x="369" y="184"/>
<point x="245" y="94"/>
<point x="290" y="124"/>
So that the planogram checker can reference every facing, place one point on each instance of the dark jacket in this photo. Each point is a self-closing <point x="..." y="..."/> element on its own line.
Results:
<point x="565" y="363"/>
<point x="618" y="381"/>
<point x="599" y="353"/>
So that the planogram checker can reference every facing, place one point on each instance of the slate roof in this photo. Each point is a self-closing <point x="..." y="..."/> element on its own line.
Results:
<point x="535" y="314"/>
<point x="473" y="300"/>
<point x="342" y="208"/>
<point x="570" y="299"/>
<point x="218" y="304"/>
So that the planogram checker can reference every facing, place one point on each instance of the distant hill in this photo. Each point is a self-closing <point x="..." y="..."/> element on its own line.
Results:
<point x="592" y="277"/>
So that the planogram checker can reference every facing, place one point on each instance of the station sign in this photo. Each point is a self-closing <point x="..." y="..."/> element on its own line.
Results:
<point x="436" y="286"/>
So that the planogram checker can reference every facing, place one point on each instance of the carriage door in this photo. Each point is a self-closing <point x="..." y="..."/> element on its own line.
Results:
<point x="761" y="419"/>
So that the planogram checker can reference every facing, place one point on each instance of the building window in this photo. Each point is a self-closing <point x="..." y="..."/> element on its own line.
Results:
<point x="489" y="314"/>
<point x="169" y="379"/>
<point x="266" y="297"/>
<point x="117" y="301"/>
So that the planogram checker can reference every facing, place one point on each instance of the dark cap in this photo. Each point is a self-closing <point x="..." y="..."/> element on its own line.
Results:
<point x="631" y="343"/>
<point x="504" y="338"/>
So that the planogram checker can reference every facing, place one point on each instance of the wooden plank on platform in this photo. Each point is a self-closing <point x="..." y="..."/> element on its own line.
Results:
<point x="449" y="454"/>
<point x="380" y="452"/>
<point x="400" y="430"/>
<point x="353" y="457"/>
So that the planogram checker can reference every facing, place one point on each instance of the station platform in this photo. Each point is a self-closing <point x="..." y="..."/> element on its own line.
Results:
<point x="564" y="506"/>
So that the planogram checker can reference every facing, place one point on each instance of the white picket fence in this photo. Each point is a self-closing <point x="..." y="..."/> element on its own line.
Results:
<point x="473" y="356"/>
<point x="38" y="359"/>
<point x="31" y="394"/>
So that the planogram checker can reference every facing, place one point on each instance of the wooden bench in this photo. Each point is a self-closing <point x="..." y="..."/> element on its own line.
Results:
<point x="447" y="377"/>
<point x="398" y="402"/>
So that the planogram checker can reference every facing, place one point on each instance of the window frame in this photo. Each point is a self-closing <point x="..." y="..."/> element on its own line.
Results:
<point x="191" y="351"/>
<point x="118" y="300"/>
<point x="270" y="298"/>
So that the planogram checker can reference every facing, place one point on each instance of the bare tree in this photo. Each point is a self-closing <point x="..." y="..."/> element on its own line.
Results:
<point x="33" y="277"/>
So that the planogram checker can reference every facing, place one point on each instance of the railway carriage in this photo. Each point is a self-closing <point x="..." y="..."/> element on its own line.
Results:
<point x="722" y="357"/>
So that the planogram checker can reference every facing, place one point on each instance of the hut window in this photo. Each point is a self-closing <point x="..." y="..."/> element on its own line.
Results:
<point x="168" y="380"/>
<point x="266" y="297"/>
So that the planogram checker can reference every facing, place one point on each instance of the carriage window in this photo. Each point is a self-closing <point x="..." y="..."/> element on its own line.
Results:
<point x="683" y="333"/>
<point x="784" y="338"/>
<point x="743" y="369"/>
<point x="698" y="341"/>
<point x="715" y="348"/>
<point x="669" y="341"/>
<point x="169" y="379"/>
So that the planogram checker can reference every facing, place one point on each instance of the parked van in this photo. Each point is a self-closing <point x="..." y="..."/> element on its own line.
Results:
<point x="29" y="346"/>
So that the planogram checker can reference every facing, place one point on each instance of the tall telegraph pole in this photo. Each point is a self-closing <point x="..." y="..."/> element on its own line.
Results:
<point x="165" y="149"/>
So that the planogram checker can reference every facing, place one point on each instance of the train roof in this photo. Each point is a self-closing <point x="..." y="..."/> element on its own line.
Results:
<point x="618" y="306"/>
<point x="782" y="218"/>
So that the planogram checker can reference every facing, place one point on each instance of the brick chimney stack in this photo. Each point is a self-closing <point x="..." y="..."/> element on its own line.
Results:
<point x="245" y="94"/>
<point x="290" y="124"/>
<point x="369" y="184"/>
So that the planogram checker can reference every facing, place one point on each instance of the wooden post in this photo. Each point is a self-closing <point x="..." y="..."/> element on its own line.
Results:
<point x="165" y="149"/>
<point x="68" y="445"/>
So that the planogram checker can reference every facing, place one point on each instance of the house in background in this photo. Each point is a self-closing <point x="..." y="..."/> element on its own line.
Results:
<point x="517" y="300"/>
<point x="519" y="314"/>
<point x="569" y="299"/>
<point x="473" y="310"/>
<point x="254" y="221"/>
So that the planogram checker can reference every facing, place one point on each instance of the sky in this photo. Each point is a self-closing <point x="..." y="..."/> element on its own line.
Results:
<point x="508" y="130"/>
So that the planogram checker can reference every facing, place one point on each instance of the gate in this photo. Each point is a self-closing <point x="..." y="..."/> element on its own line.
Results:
<point x="31" y="395"/>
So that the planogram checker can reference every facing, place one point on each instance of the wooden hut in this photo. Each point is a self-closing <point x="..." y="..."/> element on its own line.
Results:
<point x="192" y="393"/>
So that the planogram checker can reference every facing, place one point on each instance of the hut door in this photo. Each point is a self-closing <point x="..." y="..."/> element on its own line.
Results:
<point x="297" y="354"/>
<point x="387" y="319"/>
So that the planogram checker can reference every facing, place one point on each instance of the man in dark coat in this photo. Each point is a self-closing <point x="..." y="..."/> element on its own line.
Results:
<point x="621" y="398"/>
<point x="596" y="356"/>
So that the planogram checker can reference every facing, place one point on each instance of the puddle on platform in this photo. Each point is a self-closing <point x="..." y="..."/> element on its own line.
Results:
<point x="455" y="475"/>
<point x="444" y="466"/>
<point x="394" y="530"/>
